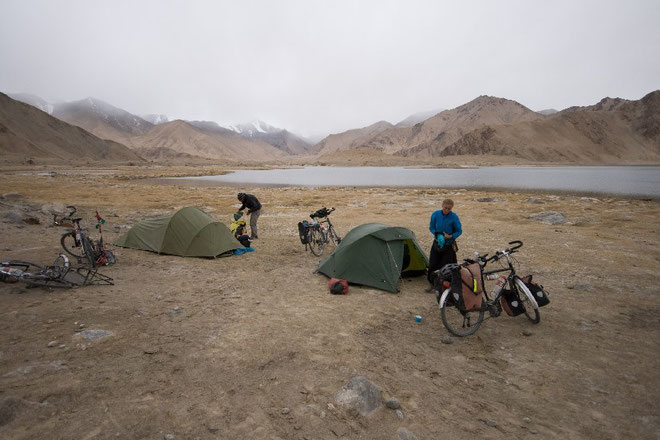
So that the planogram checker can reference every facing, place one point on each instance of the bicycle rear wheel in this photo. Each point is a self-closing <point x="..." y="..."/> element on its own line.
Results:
<point x="70" y="245"/>
<point x="316" y="242"/>
<point x="456" y="322"/>
<point x="527" y="301"/>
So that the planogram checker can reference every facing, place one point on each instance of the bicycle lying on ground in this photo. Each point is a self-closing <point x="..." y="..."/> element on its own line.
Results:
<point x="318" y="233"/>
<point x="510" y="291"/>
<point x="77" y="242"/>
<point x="59" y="274"/>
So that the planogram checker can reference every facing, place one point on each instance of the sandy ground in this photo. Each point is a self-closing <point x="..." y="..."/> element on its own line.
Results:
<point x="253" y="346"/>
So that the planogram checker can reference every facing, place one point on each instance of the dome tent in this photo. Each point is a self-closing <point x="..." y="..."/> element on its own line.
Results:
<point x="189" y="232"/>
<point x="376" y="255"/>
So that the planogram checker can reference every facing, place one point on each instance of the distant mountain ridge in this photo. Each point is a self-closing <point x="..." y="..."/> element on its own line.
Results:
<point x="614" y="130"/>
<point x="28" y="134"/>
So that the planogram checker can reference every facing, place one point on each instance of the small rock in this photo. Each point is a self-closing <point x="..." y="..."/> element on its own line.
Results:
<point x="28" y="219"/>
<point x="360" y="395"/>
<point x="169" y="436"/>
<point x="17" y="290"/>
<point x="11" y="196"/>
<point x="549" y="217"/>
<point x="285" y="411"/>
<point x="527" y="333"/>
<point x="175" y="311"/>
<point x="404" y="434"/>
<point x="62" y="345"/>
<point x="13" y="217"/>
<point x="446" y="339"/>
<point x="257" y="302"/>
<point x="534" y="200"/>
<point x="399" y="414"/>
<point x="527" y="420"/>
<point x="580" y="286"/>
<point x="489" y="199"/>
<point x="94" y="334"/>
<point x="490" y="423"/>
<point x="393" y="403"/>
<point x="52" y="344"/>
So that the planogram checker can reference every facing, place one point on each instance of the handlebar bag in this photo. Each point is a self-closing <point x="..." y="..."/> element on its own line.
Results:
<point x="467" y="281"/>
<point x="540" y="295"/>
<point x="511" y="303"/>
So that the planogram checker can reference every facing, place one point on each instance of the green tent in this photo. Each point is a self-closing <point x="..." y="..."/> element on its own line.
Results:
<point x="189" y="232"/>
<point x="376" y="255"/>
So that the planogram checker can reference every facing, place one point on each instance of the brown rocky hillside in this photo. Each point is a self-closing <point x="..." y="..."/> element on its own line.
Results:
<point x="432" y="136"/>
<point x="181" y="139"/>
<point x="29" y="134"/>
<point x="614" y="131"/>
<point x="355" y="138"/>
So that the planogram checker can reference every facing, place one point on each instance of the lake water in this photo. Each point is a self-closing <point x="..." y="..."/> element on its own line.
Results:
<point x="636" y="181"/>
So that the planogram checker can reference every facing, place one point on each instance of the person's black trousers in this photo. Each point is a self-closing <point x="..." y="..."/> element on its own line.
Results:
<point x="438" y="258"/>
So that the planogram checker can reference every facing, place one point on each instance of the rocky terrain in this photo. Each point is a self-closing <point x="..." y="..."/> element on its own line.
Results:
<point x="254" y="346"/>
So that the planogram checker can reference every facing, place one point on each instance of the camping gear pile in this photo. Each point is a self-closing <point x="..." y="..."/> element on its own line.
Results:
<point x="239" y="228"/>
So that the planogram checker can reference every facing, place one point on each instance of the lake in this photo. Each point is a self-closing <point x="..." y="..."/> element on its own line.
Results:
<point x="636" y="181"/>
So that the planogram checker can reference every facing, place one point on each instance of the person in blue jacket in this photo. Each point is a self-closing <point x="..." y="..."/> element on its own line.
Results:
<point x="446" y="228"/>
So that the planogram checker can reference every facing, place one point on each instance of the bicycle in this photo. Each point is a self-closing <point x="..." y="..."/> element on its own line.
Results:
<point x="60" y="274"/>
<point x="77" y="242"/>
<point x="321" y="232"/>
<point x="466" y="322"/>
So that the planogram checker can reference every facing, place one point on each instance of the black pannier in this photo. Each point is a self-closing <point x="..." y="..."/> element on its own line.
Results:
<point x="511" y="304"/>
<point x="303" y="231"/>
<point x="540" y="295"/>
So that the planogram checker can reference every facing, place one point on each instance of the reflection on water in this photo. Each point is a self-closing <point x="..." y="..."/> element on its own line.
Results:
<point x="641" y="181"/>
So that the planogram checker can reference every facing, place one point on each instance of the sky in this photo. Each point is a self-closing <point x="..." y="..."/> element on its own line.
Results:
<point x="317" y="67"/>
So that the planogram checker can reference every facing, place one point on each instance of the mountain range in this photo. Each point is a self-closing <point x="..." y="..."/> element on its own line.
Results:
<point x="612" y="131"/>
<point x="28" y="134"/>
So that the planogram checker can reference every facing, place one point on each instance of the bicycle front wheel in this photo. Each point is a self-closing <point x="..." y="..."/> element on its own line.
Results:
<point x="527" y="301"/>
<point x="458" y="323"/>
<point x="70" y="245"/>
<point x="88" y="247"/>
<point x="332" y="234"/>
<point x="316" y="242"/>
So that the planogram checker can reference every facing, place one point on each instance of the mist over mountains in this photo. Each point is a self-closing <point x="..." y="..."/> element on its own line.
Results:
<point x="612" y="131"/>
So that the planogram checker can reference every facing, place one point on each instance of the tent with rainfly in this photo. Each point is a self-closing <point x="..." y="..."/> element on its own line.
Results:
<point x="189" y="232"/>
<point x="376" y="255"/>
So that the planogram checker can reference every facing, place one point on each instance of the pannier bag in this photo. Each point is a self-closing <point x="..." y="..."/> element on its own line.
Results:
<point x="303" y="228"/>
<point x="540" y="295"/>
<point x="511" y="304"/>
<point x="338" y="287"/>
<point x="467" y="280"/>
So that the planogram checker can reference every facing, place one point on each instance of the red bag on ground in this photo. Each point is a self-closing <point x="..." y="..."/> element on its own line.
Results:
<point x="337" y="286"/>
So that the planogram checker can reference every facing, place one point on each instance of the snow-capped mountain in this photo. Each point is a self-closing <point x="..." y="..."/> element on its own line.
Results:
<point x="34" y="101"/>
<point x="156" y="119"/>
<point x="254" y="128"/>
<point x="277" y="137"/>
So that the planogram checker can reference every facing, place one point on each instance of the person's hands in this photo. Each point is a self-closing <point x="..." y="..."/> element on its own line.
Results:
<point x="447" y="236"/>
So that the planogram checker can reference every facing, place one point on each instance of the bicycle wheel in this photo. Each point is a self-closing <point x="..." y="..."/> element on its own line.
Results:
<point x="316" y="242"/>
<point x="332" y="234"/>
<point x="70" y="245"/>
<point x="458" y="323"/>
<point x="527" y="301"/>
<point x="88" y="247"/>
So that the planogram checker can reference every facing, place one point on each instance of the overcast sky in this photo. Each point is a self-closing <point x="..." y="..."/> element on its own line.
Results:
<point x="326" y="66"/>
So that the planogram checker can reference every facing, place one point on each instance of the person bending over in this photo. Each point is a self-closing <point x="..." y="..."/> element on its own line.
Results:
<point x="254" y="210"/>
